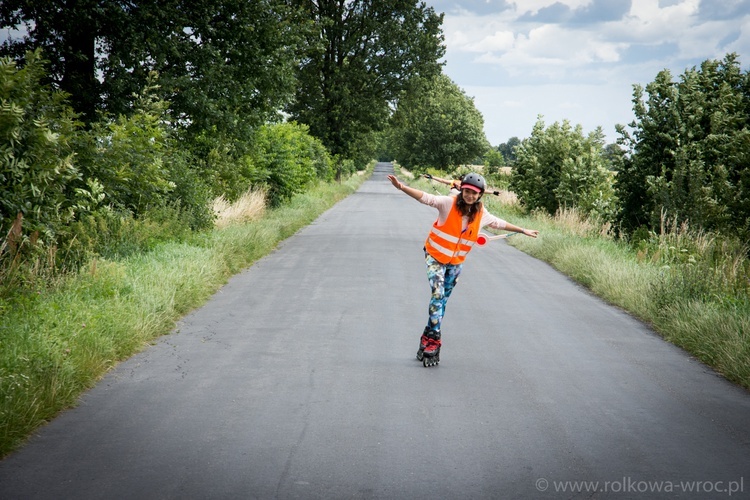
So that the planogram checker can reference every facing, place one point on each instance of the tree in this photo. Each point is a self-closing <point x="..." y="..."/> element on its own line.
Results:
<point x="437" y="125"/>
<point x="689" y="151"/>
<point x="287" y="160"/>
<point x="614" y="155"/>
<point x="67" y="33"/>
<point x="559" y="167"/>
<point x="493" y="159"/>
<point x="649" y="149"/>
<point x="208" y="54"/>
<point x="227" y="66"/>
<point x="361" y="55"/>
<point x="508" y="150"/>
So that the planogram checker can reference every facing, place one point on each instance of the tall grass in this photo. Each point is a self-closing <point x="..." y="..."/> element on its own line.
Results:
<point x="58" y="341"/>
<point x="248" y="207"/>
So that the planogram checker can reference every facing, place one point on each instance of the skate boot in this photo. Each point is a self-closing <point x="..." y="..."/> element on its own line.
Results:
<point x="431" y="353"/>
<point x="422" y="343"/>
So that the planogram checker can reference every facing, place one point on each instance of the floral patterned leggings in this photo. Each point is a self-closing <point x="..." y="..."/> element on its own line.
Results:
<point x="442" y="277"/>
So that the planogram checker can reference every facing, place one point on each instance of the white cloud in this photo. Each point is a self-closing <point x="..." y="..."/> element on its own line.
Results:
<point x="519" y="67"/>
<point x="742" y="44"/>
<point x="573" y="47"/>
<point x="534" y="6"/>
<point x="498" y="41"/>
<point x="553" y="53"/>
<point x="648" y="23"/>
<point x="703" y="41"/>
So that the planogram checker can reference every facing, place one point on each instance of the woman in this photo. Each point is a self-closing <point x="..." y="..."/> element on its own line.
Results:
<point x="451" y="238"/>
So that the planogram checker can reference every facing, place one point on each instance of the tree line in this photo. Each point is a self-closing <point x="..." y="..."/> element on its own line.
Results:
<point x="114" y="110"/>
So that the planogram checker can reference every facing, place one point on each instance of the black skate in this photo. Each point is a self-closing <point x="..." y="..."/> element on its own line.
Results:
<point x="431" y="352"/>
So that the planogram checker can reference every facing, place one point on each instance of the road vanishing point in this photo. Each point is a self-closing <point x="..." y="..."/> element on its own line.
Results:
<point x="298" y="380"/>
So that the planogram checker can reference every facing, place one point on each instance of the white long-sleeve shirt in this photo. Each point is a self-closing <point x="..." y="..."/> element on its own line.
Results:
<point x="445" y="203"/>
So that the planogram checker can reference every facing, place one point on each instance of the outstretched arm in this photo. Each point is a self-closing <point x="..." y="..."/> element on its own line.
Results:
<point x="518" y="229"/>
<point x="439" y="179"/>
<point x="493" y="221"/>
<point x="414" y="193"/>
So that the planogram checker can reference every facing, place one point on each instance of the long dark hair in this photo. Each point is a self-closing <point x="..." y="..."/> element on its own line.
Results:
<point x="467" y="210"/>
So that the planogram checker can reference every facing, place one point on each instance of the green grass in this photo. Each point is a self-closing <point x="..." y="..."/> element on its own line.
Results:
<point x="57" y="342"/>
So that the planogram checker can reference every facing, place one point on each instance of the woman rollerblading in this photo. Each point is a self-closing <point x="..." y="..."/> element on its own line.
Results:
<point x="449" y="241"/>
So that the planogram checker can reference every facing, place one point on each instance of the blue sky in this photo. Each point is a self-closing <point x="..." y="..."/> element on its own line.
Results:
<point x="579" y="59"/>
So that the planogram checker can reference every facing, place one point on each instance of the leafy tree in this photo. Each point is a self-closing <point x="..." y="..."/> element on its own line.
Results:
<point x="360" y="56"/>
<point x="493" y="159"/>
<point x="614" y="155"/>
<point x="649" y="148"/>
<point x="507" y="149"/>
<point x="226" y="66"/>
<point x="689" y="151"/>
<point x="437" y="125"/>
<point x="67" y="33"/>
<point x="559" y="167"/>
<point x="207" y="52"/>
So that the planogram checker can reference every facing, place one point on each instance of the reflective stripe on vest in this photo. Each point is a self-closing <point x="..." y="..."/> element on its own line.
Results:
<point x="447" y="244"/>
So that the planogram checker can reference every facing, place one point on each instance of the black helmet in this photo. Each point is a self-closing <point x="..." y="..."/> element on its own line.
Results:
<point x="474" y="182"/>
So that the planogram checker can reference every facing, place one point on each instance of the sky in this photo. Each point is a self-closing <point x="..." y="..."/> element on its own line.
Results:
<point x="578" y="60"/>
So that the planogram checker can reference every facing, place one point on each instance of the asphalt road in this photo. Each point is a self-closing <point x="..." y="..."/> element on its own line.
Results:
<point x="298" y="380"/>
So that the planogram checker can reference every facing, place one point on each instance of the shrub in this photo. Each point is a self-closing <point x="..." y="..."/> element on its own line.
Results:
<point x="38" y="177"/>
<point x="286" y="159"/>
<point x="127" y="155"/>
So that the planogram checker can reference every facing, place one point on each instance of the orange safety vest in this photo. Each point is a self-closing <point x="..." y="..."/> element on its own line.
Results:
<point x="448" y="244"/>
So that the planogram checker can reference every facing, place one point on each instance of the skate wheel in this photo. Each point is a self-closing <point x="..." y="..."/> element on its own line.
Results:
<point x="429" y="362"/>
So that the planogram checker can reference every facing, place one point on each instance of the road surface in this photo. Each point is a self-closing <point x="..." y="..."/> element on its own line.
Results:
<point x="298" y="380"/>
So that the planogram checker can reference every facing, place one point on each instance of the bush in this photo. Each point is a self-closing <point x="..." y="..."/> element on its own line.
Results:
<point x="142" y="167"/>
<point x="286" y="160"/>
<point x="127" y="155"/>
<point x="114" y="234"/>
<point x="191" y="194"/>
<point x="38" y="177"/>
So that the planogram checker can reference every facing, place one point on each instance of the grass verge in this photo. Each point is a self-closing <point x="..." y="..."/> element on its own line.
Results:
<point x="56" y="343"/>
